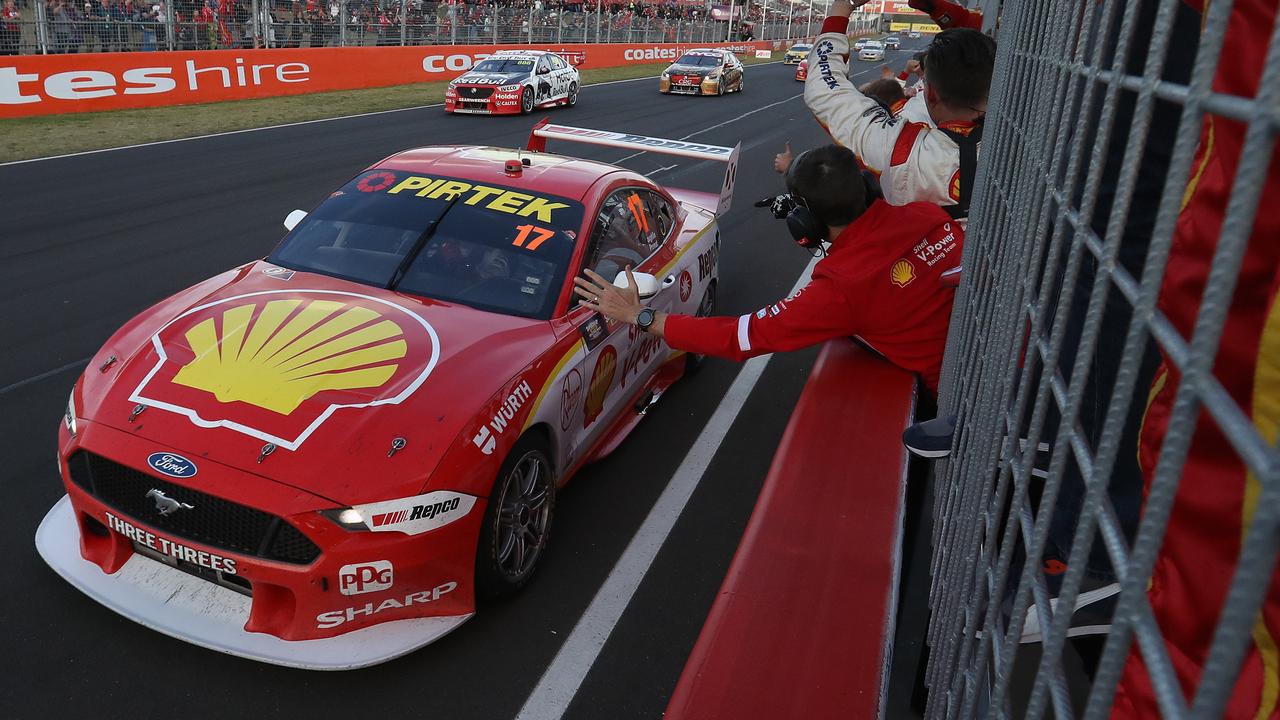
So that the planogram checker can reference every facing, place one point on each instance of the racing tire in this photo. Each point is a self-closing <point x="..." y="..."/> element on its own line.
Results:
<point x="517" y="521"/>
<point x="526" y="101"/>
<point x="694" y="362"/>
<point x="573" y="95"/>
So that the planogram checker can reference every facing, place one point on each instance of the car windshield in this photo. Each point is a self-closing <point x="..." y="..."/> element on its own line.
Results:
<point x="485" y="246"/>
<point x="800" y="48"/>
<point x="505" y="65"/>
<point x="871" y="45"/>
<point x="700" y="60"/>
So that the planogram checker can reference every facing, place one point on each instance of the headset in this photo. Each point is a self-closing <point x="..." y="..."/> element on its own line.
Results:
<point x="806" y="228"/>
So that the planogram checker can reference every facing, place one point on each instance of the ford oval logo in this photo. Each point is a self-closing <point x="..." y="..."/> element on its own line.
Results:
<point x="171" y="465"/>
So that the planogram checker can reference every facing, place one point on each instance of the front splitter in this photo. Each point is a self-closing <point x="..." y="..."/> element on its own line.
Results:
<point x="197" y="611"/>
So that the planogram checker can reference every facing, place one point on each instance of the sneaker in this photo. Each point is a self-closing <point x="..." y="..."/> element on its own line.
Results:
<point x="1092" y="614"/>
<point x="931" y="438"/>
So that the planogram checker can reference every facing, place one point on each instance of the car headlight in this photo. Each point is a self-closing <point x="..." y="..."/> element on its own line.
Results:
<point x="69" y="416"/>
<point x="346" y="518"/>
<point x="666" y="75"/>
<point x="509" y="88"/>
<point x="409" y="515"/>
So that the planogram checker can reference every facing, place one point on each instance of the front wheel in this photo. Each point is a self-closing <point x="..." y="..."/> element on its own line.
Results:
<point x="526" y="101"/>
<point x="517" y="521"/>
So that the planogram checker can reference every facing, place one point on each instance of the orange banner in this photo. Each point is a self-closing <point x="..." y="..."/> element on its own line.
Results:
<point x="51" y="84"/>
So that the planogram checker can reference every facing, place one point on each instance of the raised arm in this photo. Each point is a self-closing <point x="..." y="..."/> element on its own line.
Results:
<point x="851" y="118"/>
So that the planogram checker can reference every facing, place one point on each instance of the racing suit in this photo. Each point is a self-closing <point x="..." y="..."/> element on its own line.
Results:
<point x="1217" y="495"/>
<point x="881" y="283"/>
<point x="914" y="110"/>
<point x="915" y="161"/>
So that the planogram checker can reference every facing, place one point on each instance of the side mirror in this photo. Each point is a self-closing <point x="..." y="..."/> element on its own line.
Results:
<point x="292" y="219"/>
<point x="646" y="283"/>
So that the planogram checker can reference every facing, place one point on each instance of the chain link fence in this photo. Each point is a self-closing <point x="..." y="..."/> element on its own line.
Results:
<point x="1095" y="121"/>
<point x="70" y="26"/>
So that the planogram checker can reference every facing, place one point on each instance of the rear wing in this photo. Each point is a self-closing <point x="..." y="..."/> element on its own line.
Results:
<point x="544" y="131"/>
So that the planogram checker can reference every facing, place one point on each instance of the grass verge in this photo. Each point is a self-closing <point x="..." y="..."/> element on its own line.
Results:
<point x="45" y="136"/>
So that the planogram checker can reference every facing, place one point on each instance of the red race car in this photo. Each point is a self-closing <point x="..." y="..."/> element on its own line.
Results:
<point x="802" y="72"/>
<point x="321" y="458"/>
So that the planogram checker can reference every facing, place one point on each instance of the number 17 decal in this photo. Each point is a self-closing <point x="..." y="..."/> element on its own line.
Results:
<point x="541" y="235"/>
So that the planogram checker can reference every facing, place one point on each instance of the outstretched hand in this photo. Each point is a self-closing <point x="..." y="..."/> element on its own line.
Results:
<point x="617" y="304"/>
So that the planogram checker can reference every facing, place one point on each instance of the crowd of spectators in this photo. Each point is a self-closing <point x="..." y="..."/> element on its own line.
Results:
<point x="125" y="25"/>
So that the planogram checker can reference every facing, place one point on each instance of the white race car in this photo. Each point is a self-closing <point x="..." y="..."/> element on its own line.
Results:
<point x="516" y="81"/>
<point x="872" y="50"/>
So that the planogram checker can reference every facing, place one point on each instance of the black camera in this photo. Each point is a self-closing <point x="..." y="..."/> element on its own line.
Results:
<point x="779" y="205"/>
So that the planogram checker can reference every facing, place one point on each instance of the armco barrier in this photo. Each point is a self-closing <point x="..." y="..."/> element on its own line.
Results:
<point x="52" y="84"/>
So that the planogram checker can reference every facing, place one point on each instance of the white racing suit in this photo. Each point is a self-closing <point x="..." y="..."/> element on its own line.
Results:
<point x="915" y="161"/>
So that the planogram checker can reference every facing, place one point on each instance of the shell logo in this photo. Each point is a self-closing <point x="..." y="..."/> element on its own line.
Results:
<point x="601" y="381"/>
<point x="275" y="365"/>
<point x="290" y="351"/>
<point x="902" y="273"/>
<point x="953" y="187"/>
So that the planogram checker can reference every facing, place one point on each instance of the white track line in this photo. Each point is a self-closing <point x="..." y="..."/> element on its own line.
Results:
<point x="651" y="173"/>
<point x="285" y="125"/>
<point x="734" y="119"/>
<point x="44" y="375"/>
<point x="717" y="126"/>
<point x="551" y="698"/>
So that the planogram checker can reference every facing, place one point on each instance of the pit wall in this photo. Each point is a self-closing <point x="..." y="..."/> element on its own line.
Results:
<point x="52" y="84"/>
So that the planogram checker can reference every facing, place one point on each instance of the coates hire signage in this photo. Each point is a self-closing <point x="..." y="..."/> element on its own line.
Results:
<point x="52" y="84"/>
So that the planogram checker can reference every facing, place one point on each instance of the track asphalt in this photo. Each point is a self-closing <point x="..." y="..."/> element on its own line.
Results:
<point x="89" y="241"/>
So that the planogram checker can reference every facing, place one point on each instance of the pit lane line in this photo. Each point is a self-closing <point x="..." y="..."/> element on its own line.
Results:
<point x="295" y="124"/>
<point x="562" y="678"/>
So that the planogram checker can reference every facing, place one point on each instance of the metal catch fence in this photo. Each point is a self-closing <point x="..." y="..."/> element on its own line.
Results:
<point x="1091" y="138"/>
<point x="68" y="26"/>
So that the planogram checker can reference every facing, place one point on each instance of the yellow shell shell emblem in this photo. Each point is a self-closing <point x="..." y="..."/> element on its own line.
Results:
<point x="902" y="273"/>
<point x="276" y="355"/>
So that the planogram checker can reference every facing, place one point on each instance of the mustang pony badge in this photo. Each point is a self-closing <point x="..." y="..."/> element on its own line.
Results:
<point x="166" y="505"/>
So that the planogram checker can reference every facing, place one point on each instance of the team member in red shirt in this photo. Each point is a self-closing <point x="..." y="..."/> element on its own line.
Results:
<point x="1217" y="497"/>
<point x="881" y="280"/>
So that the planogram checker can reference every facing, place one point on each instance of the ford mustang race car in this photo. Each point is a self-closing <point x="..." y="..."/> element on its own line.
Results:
<point x="703" y="72"/>
<point x="515" y="81"/>
<point x="796" y="54"/>
<point x="322" y="458"/>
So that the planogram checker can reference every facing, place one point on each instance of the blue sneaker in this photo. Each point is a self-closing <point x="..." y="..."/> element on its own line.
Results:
<point x="931" y="438"/>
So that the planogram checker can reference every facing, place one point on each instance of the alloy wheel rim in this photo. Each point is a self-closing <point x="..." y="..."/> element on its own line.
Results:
<point x="524" y="514"/>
